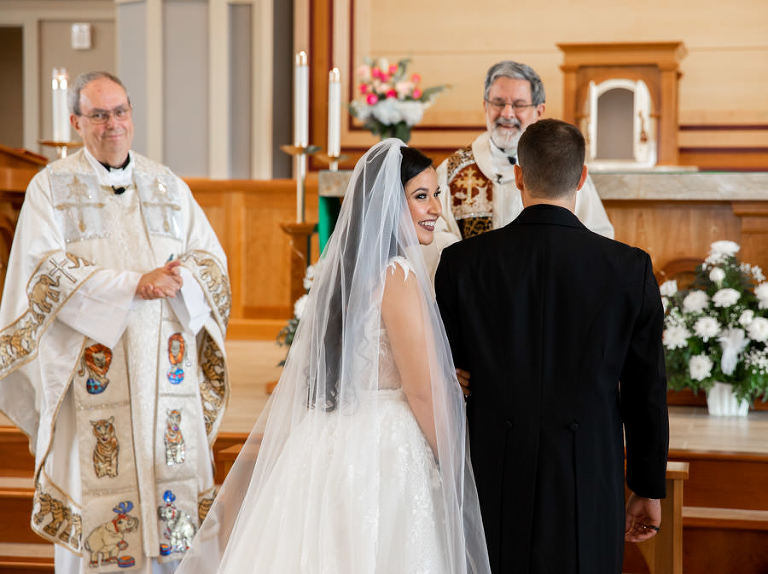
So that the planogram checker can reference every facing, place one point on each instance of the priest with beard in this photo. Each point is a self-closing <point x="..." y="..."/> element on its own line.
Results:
<point x="478" y="181"/>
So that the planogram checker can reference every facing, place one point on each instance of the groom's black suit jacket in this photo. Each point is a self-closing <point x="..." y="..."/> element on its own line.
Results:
<point x="561" y="331"/>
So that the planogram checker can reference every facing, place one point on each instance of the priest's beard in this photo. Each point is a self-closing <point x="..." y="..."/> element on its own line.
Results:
<point x="506" y="139"/>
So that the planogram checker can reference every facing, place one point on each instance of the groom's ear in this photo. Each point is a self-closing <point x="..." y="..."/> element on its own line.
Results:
<point x="583" y="177"/>
<point x="519" y="177"/>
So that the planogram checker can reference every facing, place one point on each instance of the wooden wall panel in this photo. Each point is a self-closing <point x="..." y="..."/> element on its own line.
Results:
<point x="459" y="45"/>
<point x="246" y="216"/>
<point x="725" y="159"/>
<point x="672" y="230"/>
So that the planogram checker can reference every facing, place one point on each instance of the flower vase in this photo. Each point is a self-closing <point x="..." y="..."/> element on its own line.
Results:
<point x="722" y="402"/>
<point x="401" y="131"/>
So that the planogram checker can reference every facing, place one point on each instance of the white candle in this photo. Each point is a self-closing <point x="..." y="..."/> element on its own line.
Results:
<point x="334" y="113"/>
<point x="59" y="84"/>
<point x="301" y="101"/>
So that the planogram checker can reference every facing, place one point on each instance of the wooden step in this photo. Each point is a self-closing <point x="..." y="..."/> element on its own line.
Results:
<point x="725" y="540"/>
<point x="725" y="518"/>
<point x="14" y="452"/>
<point x="16" y="495"/>
<point x="26" y="558"/>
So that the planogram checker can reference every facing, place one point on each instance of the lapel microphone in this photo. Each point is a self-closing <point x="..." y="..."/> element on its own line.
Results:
<point x="119" y="190"/>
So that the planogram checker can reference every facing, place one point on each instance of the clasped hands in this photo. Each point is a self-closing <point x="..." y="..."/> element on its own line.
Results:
<point x="160" y="283"/>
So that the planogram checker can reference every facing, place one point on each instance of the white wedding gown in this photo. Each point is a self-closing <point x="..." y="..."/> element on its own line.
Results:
<point x="322" y="511"/>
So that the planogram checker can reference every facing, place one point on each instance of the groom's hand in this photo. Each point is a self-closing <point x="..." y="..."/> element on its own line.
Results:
<point x="643" y="518"/>
<point x="463" y="377"/>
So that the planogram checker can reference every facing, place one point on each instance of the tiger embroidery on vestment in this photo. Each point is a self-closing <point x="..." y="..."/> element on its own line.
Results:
<point x="174" y="440"/>
<point x="107" y="448"/>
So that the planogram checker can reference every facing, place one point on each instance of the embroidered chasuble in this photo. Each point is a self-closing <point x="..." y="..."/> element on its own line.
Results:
<point x="121" y="398"/>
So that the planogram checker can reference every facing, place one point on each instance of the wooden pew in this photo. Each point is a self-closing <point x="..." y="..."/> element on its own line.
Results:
<point x="663" y="554"/>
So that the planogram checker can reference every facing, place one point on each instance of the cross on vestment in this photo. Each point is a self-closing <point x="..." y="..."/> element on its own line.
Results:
<point x="79" y="190"/>
<point x="468" y="180"/>
<point x="58" y="267"/>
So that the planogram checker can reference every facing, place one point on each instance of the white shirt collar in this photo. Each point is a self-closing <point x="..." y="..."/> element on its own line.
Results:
<point x="111" y="177"/>
<point x="493" y="162"/>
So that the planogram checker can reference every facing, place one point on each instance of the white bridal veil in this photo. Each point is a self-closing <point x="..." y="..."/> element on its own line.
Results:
<point x="309" y="481"/>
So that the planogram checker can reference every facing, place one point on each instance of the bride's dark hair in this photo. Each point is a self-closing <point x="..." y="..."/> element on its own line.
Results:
<point x="413" y="162"/>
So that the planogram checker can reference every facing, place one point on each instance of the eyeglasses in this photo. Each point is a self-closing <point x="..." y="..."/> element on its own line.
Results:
<point x="500" y="105"/>
<point x="102" y="116"/>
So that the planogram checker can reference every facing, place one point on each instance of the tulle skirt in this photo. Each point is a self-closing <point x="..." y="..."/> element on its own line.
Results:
<point x="350" y="493"/>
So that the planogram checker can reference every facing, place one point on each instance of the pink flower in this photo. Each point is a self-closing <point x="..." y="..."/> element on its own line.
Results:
<point x="403" y="89"/>
<point x="364" y="72"/>
<point x="364" y="89"/>
<point x="384" y="77"/>
<point x="392" y="69"/>
<point x="416" y="93"/>
<point x="415" y="78"/>
<point x="391" y="93"/>
<point x="376" y="72"/>
<point x="372" y="99"/>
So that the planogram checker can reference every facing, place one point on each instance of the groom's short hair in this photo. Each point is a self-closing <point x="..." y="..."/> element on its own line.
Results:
<point x="551" y="156"/>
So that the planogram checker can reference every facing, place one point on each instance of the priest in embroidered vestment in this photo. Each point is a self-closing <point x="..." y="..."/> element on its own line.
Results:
<point x="112" y="346"/>
<point x="478" y="181"/>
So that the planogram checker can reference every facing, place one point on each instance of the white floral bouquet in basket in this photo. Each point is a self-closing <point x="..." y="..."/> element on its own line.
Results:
<point x="718" y="331"/>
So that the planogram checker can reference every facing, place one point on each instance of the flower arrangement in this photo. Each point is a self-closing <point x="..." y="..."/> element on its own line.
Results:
<point x="718" y="331"/>
<point x="287" y="333"/>
<point x="391" y="102"/>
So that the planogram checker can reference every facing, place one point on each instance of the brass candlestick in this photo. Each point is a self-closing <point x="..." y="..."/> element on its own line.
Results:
<point x="332" y="160"/>
<point x="300" y="154"/>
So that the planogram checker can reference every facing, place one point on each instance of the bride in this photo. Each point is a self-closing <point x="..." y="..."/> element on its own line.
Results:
<point x="359" y="463"/>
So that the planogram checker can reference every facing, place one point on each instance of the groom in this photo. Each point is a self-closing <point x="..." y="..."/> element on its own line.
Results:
<point x="560" y="329"/>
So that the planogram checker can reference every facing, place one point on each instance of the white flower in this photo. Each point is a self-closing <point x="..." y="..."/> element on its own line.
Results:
<point x="676" y="337"/>
<point x="362" y="110"/>
<point x="761" y="292"/>
<point x="668" y="288"/>
<point x="732" y="342"/>
<point x="700" y="367"/>
<point x="309" y="276"/>
<point x="746" y="317"/>
<point x="724" y="248"/>
<point x="758" y="329"/>
<point x="725" y="297"/>
<point x="413" y="112"/>
<point x="707" y="328"/>
<point x="716" y="275"/>
<point x="665" y="303"/>
<point x="714" y="259"/>
<point x="387" y="112"/>
<point x="298" y="306"/>
<point x="403" y="88"/>
<point x="757" y="273"/>
<point x="695" y="302"/>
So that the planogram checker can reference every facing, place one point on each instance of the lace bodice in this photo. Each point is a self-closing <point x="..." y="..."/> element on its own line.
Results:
<point x="389" y="376"/>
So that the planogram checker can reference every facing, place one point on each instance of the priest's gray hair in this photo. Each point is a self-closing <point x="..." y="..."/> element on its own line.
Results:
<point x="510" y="69"/>
<point x="83" y="80"/>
